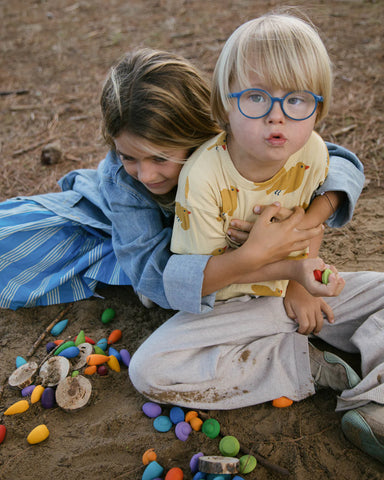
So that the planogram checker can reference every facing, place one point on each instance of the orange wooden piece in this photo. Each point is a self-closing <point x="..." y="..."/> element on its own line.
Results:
<point x="174" y="474"/>
<point x="196" y="423"/>
<point x="191" y="414"/>
<point x="114" y="336"/>
<point x="58" y="342"/>
<point x="90" y="370"/>
<point x="97" y="359"/>
<point x="282" y="402"/>
<point x="149" y="456"/>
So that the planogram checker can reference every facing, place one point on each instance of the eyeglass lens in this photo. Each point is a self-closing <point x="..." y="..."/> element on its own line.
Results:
<point x="297" y="105"/>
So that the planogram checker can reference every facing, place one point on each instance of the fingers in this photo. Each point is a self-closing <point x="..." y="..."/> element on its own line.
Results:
<point x="241" y="225"/>
<point x="328" y="312"/>
<point x="238" y="236"/>
<point x="281" y="214"/>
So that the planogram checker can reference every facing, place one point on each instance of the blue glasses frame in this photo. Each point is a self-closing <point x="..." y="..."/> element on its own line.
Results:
<point x="318" y="98"/>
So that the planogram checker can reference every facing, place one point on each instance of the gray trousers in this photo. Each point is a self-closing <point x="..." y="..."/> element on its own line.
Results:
<point x="248" y="351"/>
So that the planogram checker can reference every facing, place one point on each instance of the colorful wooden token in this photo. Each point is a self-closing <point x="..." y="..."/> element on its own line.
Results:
<point x="108" y="315"/>
<point x="18" y="407"/>
<point x="38" y="435"/>
<point x="282" y="402"/>
<point x="59" y="327"/>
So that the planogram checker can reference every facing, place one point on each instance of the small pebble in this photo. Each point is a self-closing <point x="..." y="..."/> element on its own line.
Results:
<point x="152" y="471"/>
<point x="59" y="327"/>
<point x="20" y="361"/>
<point x="3" y="432"/>
<point x="18" y="407"/>
<point x="174" y="474"/>
<point x="27" y="391"/>
<point x="176" y="415"/>
<point x="108" y="315"/>
<point x="114" y="336"/>
<point x="70" y="352"/>
<point x="115" y="353"/>
<point x="63" y="346"/>
<point x="211" y="428"/>
<point x="247" y="463"/>
<point x="113" y="363"/>
<point x="282" y="402"/>
<point x="37" y="393"/>
<point x="102" y="370"/>
<point x="50" y="346"/>
<point x="151" y="410"/>
<point x="90" y="370"/>
<point x="183" y="430"/>
<point x="196" y="423"/>
<point x="194" y="462"/>
<point x="229" y="446"/>
<point x="125" y="357"/>
<point x="38" y="434"/>
<point x="48" y="398"/>
<point x="99" y="350"/>
<point x="102" y="343"/>
<point x="199" y="476"/>
<point x="149" y="456"/>
<point x="162" y="423"/>
<point x="80" y="338"/>
<point x="325" y="276"/>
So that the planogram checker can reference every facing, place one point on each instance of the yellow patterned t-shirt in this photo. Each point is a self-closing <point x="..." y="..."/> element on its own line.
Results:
<point x="211" y="192"/>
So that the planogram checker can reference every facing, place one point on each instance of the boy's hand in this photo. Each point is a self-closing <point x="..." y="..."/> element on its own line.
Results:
<point x="303" y="273"/>
<point x="308" y="311"/>
<point x="276" y="239"/>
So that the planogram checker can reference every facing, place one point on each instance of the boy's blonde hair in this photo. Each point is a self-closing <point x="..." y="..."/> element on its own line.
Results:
<point x="283" y="50"/>
<point x="159" y="97"/>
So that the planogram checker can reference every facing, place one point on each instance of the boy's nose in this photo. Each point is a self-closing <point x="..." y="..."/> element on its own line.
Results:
<point x="276" y="114"/>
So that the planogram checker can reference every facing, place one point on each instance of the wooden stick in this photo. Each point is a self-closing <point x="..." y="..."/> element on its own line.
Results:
<point x="3" y="93"/>
<point x="247" y="451"/>
<point x="32" y="147"/>
<point x="47" y="330"/>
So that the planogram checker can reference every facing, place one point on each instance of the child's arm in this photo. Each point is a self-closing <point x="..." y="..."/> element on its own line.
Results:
<point x="267" y="242"/>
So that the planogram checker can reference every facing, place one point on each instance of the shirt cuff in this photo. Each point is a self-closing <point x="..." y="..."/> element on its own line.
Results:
<point x="183" y="280"/>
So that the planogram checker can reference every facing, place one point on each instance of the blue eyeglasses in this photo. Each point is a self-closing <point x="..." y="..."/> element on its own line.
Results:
<point x="257" y="103"/>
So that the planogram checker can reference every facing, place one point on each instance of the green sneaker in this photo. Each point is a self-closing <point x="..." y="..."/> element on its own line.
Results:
<point x="330" y="371"/>
<point x="364" y="427"/>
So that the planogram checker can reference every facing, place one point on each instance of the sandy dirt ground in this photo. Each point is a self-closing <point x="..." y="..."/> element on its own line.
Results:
<point x="55" y="54"/>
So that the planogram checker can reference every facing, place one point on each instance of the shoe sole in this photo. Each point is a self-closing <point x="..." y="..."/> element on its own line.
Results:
<point x="353" y="378"/>
<point x="357" y="430"/>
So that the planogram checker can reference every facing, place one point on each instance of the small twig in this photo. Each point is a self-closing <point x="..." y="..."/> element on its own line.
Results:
<point x="3" y="93"/>
<point x="32" y="147"/>
<point x="21" y="108"/>
<point x="347" y="129"/>
<point x="247" y="451"/>
<point x="47" y="330"/>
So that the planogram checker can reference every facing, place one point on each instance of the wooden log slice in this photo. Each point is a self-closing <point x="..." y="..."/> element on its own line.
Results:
<point x="216" y="464"/>
<point x="73" y="393"/>
<point x="81" y="360"/>
<point x="54" y="370"/>
<point x="23" y="376"/>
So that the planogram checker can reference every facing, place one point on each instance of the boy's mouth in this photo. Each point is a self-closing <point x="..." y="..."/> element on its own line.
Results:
<point x="276" y="139"/>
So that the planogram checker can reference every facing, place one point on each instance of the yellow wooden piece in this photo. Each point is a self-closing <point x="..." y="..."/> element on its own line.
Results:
<point x="113" y="363"/>
<point x="18" y="407"/>
<point x="38" y="434"/>
<point x="37" y="393"/>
